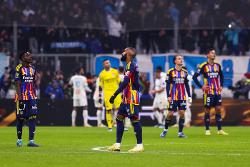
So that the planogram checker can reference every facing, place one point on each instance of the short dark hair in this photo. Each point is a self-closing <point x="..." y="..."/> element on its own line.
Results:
<point x="175" y="57"/>
<point x="159" y="68"/>
<point x="134" y="50"/>
<point x="78" y="70"/>
<point x="209" y="50"/>
<point x="22" y="54"/>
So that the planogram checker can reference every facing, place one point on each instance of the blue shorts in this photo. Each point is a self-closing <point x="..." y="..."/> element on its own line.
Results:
<point x="212" y="100"/>
<point x="26" y="109"/>
<point x="129" y="110"/>
<point x="177" y="105"/>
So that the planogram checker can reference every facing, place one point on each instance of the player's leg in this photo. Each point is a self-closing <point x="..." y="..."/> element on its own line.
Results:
<point x="172" y="108"/>
<point x="32" y="122"/>
<point x="74" y="114"/>
<point x="108" y="107"/>
<point x="134" y="117"/>
<point x="156" y="112"/>
<point x="99" y="117"/>
<point x="207" y="104"/>
<point x="116" y="106"/>
<point x="120" y="128"/>
<point x="85" y="117"/>
<point x="20" y="109"/>
<point x="188" y="116"/>
<point x="127" y="124"/>
<point x="218" y="117"/>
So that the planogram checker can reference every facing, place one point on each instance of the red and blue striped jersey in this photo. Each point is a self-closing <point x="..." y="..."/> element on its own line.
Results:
<point x="177" y="80"/>
<point x="131" y="91"/>
<point x="211" y="77"/>
<point x="26" y="75"/>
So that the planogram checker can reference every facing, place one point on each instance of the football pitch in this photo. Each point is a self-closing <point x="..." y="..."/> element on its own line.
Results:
<point x="78" y="146"/>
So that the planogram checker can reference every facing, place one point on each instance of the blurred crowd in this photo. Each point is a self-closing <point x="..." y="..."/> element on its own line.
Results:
<point x="106" y="26"/>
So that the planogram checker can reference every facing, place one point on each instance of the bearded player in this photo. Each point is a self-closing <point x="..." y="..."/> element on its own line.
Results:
<point x="130" y="103"/>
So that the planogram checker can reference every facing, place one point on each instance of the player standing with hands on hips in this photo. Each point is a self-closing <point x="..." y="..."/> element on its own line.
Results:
<point x="212" y="88"/>
<point x="177" y="82"/>
<point x="130" y="102"/>
<point x="26" y="104"/>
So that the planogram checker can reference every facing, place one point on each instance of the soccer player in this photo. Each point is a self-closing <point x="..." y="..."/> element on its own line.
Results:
<point x="98" y="100"/>
<point x="109" y="82"/>
<point x="212" y="87"/>
<point x="130" y="103"/>
<point x="26" y="104"/>
<point x="160" y="101"/>
<point x="80" y="86"/>
<point x="177" y="82"/>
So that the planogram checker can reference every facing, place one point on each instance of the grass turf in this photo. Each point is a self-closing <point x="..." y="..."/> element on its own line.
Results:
<point x="66" y="146"/>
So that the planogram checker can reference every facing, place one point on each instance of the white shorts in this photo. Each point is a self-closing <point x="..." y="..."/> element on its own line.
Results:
<point x="97" y="104"/>
<point x="80" y="102"/>
<point x="160" y="103"/>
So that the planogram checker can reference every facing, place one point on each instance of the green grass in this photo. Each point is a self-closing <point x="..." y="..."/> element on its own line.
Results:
<point x="66" y="146"/>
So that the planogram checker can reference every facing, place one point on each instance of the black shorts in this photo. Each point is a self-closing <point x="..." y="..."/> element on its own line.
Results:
<point x="212" y="100"/>
<point x="177" y="105"/>
<point x="26" y="109"/>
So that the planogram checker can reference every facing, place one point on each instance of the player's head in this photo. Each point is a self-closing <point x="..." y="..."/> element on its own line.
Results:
<point x="128" y="54"/>
<point x="106" y="64"/>
<point x="80" y="71"/>
<point x="178" y="60"/>
<point x="211" y="53"/>
<point x="158" y="72"/>
<point x="25" y="57"/>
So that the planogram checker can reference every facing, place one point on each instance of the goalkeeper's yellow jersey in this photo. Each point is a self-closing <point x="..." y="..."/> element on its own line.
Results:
<point x="109" y="80"/>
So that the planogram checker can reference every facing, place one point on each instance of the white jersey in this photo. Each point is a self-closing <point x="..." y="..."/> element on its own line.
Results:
<point x="96" y="93"/>
<point x="160" y="83"/>
<point x="80" y="86"/>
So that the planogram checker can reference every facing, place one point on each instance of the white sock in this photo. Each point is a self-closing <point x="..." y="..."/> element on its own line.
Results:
<point x="127" y="122"/>
<point x="160" y="117"/>
<point x="157" y="116"/>
<point x="114" y="115"/>
<point x="140" y="145"/>
<point x="73" y="118"/>
<point x="99" y="116"/>
<point x="188" y="116"/>
<point x="118" y="144"/>
<point x="85" y="117"/>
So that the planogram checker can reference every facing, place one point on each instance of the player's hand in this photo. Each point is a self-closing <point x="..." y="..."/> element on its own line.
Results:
<point x="112" y="99"/>
<point x="220" y="89"/>
<point x="169" y="99"/>
<point x="100" y="101"/>
<point x="152" y="91"/>
<point x="190" y="100"/>
<point x="21" y="104"/>
<point x="205" y="88"/>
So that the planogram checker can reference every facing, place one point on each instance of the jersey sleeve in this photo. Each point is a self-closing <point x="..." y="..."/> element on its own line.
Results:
<point x="131" y="70"/>
<point x="18" y="73"/>
<point x="101" y="80"/>
<point x="71" y="81"/>
<point x="200" y="69"/>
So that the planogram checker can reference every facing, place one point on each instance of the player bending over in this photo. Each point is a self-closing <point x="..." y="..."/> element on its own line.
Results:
<point x="26" y="104"/>
<point x="130" y="103"/>
<point x="212" y="87"/>
<point x="177" y="82"/>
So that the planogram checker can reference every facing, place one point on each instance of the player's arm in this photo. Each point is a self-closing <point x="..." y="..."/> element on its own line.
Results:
<point x="18" y="83"/>
<point x="187" y="87"/>
<point x="168" y="84"/>
<point x="196" y="75"/>
<point x="86" y="86"/>
<point x="221" y="76"/>
<point x="123" y="85"/>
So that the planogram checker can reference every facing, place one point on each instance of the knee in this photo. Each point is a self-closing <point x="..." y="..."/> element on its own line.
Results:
<point x="218" y="109"/>
<point x="170" y="115"/>
<point x="182" y="114"/>
<point x="207" y="110"/>
<point x="32" y="118"/>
